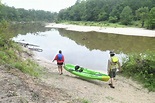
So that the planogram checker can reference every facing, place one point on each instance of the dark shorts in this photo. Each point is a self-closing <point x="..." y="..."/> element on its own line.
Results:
<point x="112" y="73"/>
<point x="59" y="64"/>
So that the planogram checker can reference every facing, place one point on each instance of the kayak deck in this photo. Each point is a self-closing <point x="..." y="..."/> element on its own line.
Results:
<point x="86" y="73"/>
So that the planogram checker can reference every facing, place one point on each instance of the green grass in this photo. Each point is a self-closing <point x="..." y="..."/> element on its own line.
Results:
<point x="11" y="54"/>
<point x="101" y="24"/>
<point x="81" y="100"/>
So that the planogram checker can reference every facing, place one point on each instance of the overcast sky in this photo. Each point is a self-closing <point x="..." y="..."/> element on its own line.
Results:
<point x="47" y="5"/>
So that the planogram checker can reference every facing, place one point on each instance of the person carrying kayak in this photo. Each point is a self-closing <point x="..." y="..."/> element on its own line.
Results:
<point x="113" y="65"/>
<point x="60" y="60"/>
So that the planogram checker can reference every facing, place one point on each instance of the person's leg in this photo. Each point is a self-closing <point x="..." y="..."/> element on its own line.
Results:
<point x="112" y="83"/>
<point x="59" y="69"/>
<point x="112" y="79"/>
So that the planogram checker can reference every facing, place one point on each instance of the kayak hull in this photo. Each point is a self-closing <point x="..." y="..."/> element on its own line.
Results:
<point x="86" y="73"/>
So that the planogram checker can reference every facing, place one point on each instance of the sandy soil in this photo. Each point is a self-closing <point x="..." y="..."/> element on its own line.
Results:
<point x="93" y="91"/>
<point x="123" y="31"/>
<point x="18" y="87"/>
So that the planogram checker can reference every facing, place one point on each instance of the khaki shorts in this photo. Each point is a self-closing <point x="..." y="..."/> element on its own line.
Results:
<point x="112" y="73"/>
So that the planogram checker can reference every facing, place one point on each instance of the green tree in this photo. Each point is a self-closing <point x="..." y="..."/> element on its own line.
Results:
<point x="113" y="19"/>
<point x="151" y="19"/>
<point x="126" y="16"/>
<point x="114" y="15"/>
<point x="12" y="14"/>
<point x="105" y="10"/>
<point x="78" y="1"/>
<point x="102" y="16"/>
<point x="142" y="14"/>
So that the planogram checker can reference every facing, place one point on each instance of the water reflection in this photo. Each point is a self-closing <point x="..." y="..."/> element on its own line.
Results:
<point x="89" y="50"/>
<point x="33" y="28"/>
<point x="103" y="41"/>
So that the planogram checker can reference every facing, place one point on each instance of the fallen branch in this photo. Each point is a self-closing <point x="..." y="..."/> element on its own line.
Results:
<point x="26" y="44"/>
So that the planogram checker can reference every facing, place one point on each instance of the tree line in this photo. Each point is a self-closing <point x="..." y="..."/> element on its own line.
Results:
<point x="21" y="15"/>
<point x="126" y="12"/>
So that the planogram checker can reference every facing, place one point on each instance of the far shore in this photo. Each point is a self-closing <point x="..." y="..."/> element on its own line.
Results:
<point x="124" y="31"/>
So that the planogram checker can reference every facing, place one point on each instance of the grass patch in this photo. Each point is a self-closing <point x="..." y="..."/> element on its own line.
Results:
<point x="28" y="66"/>
<point x="12" y="56"/>
<point x="81" y="100"/>
<point x="100" y="24"/>
<point x="109" y="98"/>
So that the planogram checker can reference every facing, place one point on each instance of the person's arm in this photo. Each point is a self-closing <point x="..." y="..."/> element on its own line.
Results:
<point x="108" y="68"/>
<point x="55" y="58"/>
<point x="119" y="66"/>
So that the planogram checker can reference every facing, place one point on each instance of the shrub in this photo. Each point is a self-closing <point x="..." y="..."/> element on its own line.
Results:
<point x="141" y="67"/>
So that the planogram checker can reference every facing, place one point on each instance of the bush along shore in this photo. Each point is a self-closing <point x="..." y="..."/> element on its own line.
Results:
<point x="141" y="67"/>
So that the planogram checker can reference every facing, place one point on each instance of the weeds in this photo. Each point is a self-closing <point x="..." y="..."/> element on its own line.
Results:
<point x="100" y="24"/>
<point x="10" y="54"/>
<point x="141" y="67"/>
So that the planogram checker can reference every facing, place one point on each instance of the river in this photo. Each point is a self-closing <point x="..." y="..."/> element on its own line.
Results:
<point x="86" y="49"/>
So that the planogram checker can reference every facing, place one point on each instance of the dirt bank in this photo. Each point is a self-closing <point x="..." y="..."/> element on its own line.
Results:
<point x="126" y="91"/>
<point x="18" y="87"/>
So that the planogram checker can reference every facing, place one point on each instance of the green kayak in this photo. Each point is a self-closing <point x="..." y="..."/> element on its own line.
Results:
<point x="85" y="73"/>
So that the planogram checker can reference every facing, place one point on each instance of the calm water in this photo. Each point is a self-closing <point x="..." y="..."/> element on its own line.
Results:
<point x="89" y="50"/>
